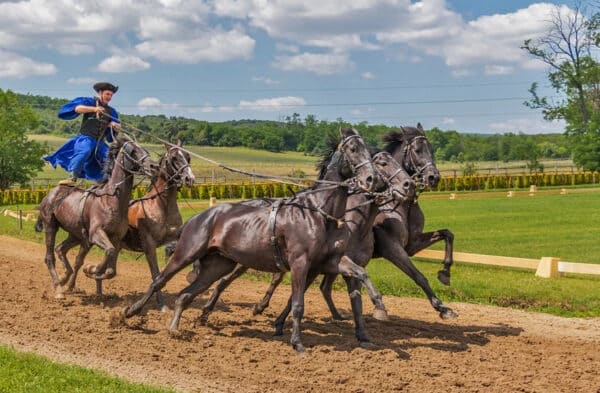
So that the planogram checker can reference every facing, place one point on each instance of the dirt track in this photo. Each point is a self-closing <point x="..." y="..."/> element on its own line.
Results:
<point x="486" y="349"/>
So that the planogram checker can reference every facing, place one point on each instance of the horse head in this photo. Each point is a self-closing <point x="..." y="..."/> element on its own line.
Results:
<point x="356" y="160"/>
<point x="399" y="183"/>
<point x="132" y="158"/>
<point x="412" y="149"/>
<point x="176" y="166"/>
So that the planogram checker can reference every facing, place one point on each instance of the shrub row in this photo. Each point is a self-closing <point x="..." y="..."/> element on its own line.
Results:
<point x="495" y="182"/>
<point x="199" y="191"/>
<point x="276" y="190"/>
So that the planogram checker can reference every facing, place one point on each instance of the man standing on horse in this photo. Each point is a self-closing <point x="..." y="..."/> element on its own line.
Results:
<point x="84" y="154"/>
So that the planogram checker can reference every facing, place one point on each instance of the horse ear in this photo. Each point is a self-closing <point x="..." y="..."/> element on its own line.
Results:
<point x="419" y="127"/>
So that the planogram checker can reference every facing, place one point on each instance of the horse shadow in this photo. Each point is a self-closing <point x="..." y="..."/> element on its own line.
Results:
<point x="398" y="334"/>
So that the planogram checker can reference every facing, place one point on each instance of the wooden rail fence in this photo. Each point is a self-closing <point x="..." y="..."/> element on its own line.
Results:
<point x="544" y="267"/>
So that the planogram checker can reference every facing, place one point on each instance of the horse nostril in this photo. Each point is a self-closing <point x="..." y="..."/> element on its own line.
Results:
<point x="369" y="180"/>
<point x="406" y="185"/>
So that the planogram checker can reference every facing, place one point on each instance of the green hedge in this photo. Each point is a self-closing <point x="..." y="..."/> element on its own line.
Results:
<point x="199" y="191"/>
<point x="278" y="190"/>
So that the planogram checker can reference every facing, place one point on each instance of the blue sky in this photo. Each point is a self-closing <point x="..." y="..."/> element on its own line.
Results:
<point x="452" y="64"/>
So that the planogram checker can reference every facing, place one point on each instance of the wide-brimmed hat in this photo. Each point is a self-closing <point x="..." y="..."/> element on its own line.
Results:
<point x="105" y="86"/>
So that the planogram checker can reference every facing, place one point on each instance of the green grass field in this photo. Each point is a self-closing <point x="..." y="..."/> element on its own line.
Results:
<point x="26" y="373"/>
<point x="547" y="224"/>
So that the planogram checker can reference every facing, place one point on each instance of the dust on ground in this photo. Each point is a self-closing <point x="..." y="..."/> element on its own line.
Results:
<point x="487" y="349"/>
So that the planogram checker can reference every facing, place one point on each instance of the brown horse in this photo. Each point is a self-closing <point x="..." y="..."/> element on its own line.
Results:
<point x="154" y="218"/>
<point x="299" y="234"/>
<point x="359" y="217"/>
<point x="96" y="216"/>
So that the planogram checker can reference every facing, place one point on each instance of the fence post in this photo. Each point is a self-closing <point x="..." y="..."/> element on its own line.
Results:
<point x="548" y="267"/>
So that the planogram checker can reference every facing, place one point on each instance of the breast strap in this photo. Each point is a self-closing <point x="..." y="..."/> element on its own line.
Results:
<point x="280" y="262"/>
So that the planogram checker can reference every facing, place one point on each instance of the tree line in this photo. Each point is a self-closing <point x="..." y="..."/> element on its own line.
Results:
<point x="308" y="134"/>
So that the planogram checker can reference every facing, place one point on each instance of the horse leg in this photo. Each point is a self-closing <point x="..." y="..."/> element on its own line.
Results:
<point x="360" y="330"/>
<point x="264" y="303"/>
<point x="50" y="229"/>
<point x="424" y="240"/>
<point x="299" y="272"/>
<point x="312" y="275"/>
<point x="326" y="287"/>
<point x="212" y="270"/>
<point x="392" y="251"/>
<point x="83" y="251"/>
<point x="184" y="255"/>
<point x="221" y="286"/>
<point x="106" y="269"/>
<point x="149" y="246"/>
<point x="61" y="250"/>
<point x="348" y="268"/>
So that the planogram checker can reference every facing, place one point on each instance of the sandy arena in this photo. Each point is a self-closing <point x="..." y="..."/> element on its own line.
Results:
<point x="486" y="349"/>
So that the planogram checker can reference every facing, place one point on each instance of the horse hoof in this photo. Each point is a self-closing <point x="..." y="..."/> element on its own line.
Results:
<point x="299" y="348"/>
<point x="164" y="308"/>
<point x="381" y="315"/>
<point x="59" y="295"/>
<point x="257" y="310"/>
<point x="444" y="277"/>
<point x="366" y="344"/>
<point x="448" y="314"/>
<point x="191" y="276"/>
<point x="174" y="333"/>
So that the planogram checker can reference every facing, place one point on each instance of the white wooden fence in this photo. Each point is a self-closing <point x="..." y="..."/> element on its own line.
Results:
<point x="544" y="267"/>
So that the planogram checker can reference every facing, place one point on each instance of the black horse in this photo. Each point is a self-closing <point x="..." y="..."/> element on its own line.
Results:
<point x="300" y="234"/>
<point x="97" y="216"/>
<point x="359" y="217"/>
<point x="397" y="234"/>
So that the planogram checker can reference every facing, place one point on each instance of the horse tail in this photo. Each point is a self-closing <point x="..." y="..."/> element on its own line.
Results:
<point x="39" y="224"/>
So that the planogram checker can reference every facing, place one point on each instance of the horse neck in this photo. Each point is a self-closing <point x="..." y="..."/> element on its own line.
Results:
<point x="120" y="184"/>
<point x="331" y="200"/>
<point x="359" y="214"/>
<point x="163" y="190"/>
<point x="399" y="155"/>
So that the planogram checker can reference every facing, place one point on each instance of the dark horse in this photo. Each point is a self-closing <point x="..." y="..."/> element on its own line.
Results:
<point x="154" y="218"/>
<point x="398" y="229"/>
<point x="360" y="214"/>
<point x="298" y="234"/>
<point x="397" y="233"/>
<point x="96" y="216"/>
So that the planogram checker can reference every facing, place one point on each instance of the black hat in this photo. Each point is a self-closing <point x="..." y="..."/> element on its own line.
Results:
<point x="105" y="86"/>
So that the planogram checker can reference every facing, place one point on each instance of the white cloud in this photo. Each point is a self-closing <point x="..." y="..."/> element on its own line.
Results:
<point x="273" y="104"/>
<point x="448" y="121"/>
<point x="368" y="75"/>
<point x="498" y="69"/>
<point x="265" y="80"/>
<point x="321" y="64"/>
<point x="118" y="63"/>
<point x="149" y="102"/>
<point x="81" y="81"/>
<point x="528" y="126"/>
<point x="16" y="66"/>
<point x="213" y="46"/>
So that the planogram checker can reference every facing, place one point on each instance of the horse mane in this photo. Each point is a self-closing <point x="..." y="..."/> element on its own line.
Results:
<point x="109" y="165"/>
<point x="394" y="139"/>
<point x="332" y="145"/>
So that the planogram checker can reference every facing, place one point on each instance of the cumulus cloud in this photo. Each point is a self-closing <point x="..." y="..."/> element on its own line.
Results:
<point x="213" y="46"/>
<point x="119" y="63"/>
<point x="16" y="66"/>
<point x="321" y="64"/>
<point x="265" y="80"/>
<point x="81" y="81"/>
<point x="528" y="126"/>
<point x="149" y="102"/>
<point x="368" y="75"/>
<point x="273" y="104"/>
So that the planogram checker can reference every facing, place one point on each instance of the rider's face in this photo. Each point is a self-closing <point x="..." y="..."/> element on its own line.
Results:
<point x="105" y="96"/>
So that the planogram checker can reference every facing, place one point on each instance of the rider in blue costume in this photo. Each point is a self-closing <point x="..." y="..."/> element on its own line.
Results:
<point x="84" y="154"/>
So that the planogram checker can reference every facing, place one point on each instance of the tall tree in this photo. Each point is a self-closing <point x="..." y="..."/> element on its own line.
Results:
<point x="568" y="48"/>
<point x="20" y="159"/>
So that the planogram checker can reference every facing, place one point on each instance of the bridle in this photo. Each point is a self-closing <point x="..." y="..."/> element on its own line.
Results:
<point x="174" y="173"/>
<point x="409" y="155"/>
<point x="139" y="162"/>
